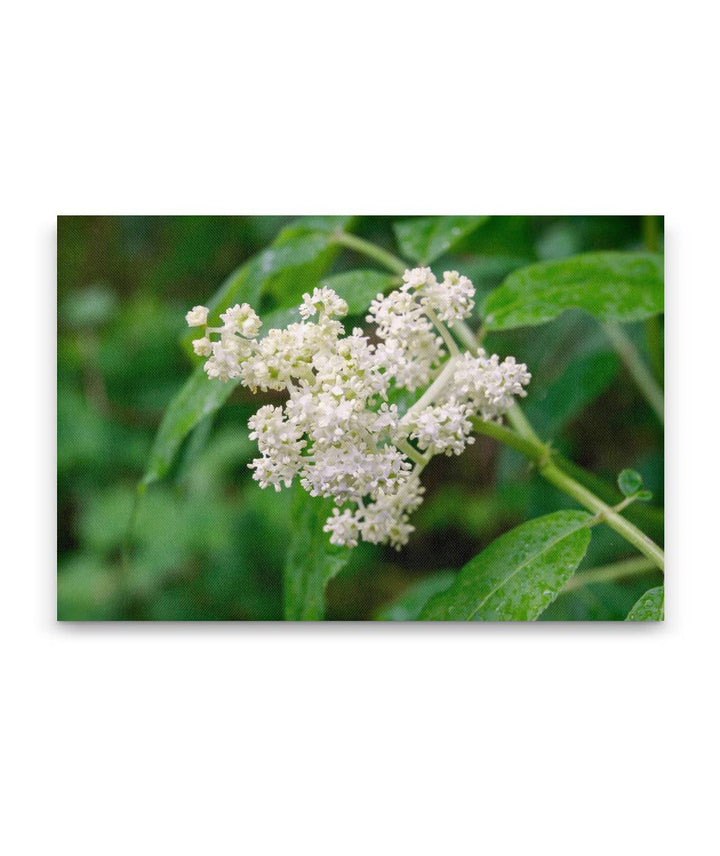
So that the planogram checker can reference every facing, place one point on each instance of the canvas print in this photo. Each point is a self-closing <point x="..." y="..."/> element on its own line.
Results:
<point x="371" y="418"/>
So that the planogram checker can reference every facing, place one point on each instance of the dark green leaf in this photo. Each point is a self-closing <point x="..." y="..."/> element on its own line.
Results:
<point x="585" y="378"/>
<point x="629" y="482"/>
<point x="312" y="561"/>
<point x="408" y="606"/>
<point x="305" y="251"/>
<point x="359" y="287"/>
<point x="199" y="397"/>
<point x="650" y="607"/>
<point x="424" y="239"/>
<point x="611" y="286"/>
<point x="519" y="574"/>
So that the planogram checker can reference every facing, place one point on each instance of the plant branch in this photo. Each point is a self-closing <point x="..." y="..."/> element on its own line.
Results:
<point x="608" y="573"/>
<point x="360" y="245"/>
<point x="435" y="388"/>
<point x="527" y="443"/>
<point x="415" y="456"/>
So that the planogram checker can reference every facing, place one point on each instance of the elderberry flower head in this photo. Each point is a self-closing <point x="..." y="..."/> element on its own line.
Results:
<point x="338" y="431"/>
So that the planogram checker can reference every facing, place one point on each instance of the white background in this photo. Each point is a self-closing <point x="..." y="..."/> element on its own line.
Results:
<point x="359" y="739"/>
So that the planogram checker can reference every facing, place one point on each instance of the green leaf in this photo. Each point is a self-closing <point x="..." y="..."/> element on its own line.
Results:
<point x="199" y="397"/>
<point x="519" y="574"/>
<point x="611" y="286"/>
<point x="630" y="482"/>
<point x="298" y="248"/>
<point x="424" y="239"/>
<point x="408" y="606"/>
<point x="650" y="607"/>
<point x="359" y="287"/>
<point x="584" y="378"/>
<point x="312" y="561"/>
<point x="291" y="265"/>
<point x="299" y="257"/>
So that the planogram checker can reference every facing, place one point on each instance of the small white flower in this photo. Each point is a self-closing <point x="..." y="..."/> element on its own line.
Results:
<point x="242" y="319"/>
<point x="441" y="428"/>
<point x="202" y="347"/>
<point x="489" y="385"/>
<point x="197" y="316"/>
<point x="451" y="299"/>
<point x="325" y="302"/>
<point x="343" y="528"/>
<point x="418" y="278"/>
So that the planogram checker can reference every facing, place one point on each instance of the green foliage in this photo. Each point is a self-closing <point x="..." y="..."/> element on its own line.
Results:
<point x="196" y="400"/>
<point x="650" y="607"/>
<point x="598" y="601"/>
<point x="294" y="262"/>
<point x="359" y="288"/>
<point x="300" y="253"/>
<point x="630" y="483"/>
<point x="299" y="257"/>
<point x="585" y="378"/>
<point x="312" y="561"/>
<point x="424" y="239"/>
<point x="209" y="544"/>
<point x="409" y="605"/>
<point x="611" y="286"/>
<point x="519" y="574"/>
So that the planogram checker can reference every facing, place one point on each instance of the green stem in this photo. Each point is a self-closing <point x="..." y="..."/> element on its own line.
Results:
<point x="360" y="245"/>
<point x="444" y="332"/>
<point x="466" y="336"/>
<point x="435" y="388"/>
<point x="638" y="370"/>
<point x="415" y="456"/>
<point x="608" y="573"/>
<point x="527" y="443"/>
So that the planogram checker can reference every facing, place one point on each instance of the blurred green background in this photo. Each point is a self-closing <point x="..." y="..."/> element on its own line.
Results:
<point x="209" y="544"/>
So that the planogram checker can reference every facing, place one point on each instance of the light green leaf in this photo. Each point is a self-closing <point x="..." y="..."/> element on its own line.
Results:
<point x="359" y="287"/>
<point x="630" y="482"/>
<point x="312" y="561"/>
<point x="198" y="397"/>
<point x="408" y="606"/>
<point x="650" y="607"/>
<point x="424" y="239"/>
<point x="519" y="574"/>
<point x="611" y="286"/>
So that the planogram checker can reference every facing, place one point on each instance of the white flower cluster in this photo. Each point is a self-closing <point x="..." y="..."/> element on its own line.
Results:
<point x="336" y="431"/>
